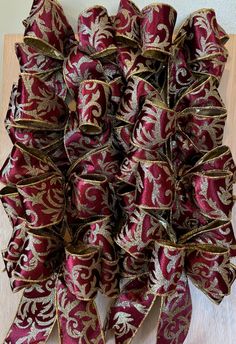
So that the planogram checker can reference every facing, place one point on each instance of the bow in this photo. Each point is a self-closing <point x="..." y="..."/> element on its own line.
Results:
<point x="169" y="266"/>
<point x="46" y="258"/>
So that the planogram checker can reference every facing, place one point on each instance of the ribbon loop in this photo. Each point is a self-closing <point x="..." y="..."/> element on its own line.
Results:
<point x="12" y="203"/>
<point x="208" y="54"/>
<point x="37" y="254"/>
<point x="219" y="158"/>
<point x="127" y="23"/>
<point x="77" y="143"/>
<point x="25" y="133"/>
<point x="155" y="124"/>
<point x="28" y="57"/>
<point x="40" y="107"/>
<point x="103" y="160"/>
<point x="49" y="42"/>
<point x="157" y="26"/>
<point x="207" y="185"/>
<point x="166" y="268"/>
<point x="96" y="33"/>
<point x="99" y="232"/>
<point x="135" y="93"/>
<point x="210" y="44"/>
<point x="49" y="70"/>
<point x="211" y="271"/>
<point x="79" y="67"/>
<point x="92" y="106"/>
<point x="202" y="93"/>
<point x="82" y="270"/>
<point x="27" y="162"/>
<point x="155" y="185"/>
<point x="131" y="62"/>
<point x="204" y="127"/>
<point x="43" y="199"/>
<point x="128" y="168"/>
<point x="217" y="232"/>
<point x="140" y="229"/>
<point x="92" y="195"/>
<point x="213" y="193"/>
<point x="180" y="75"/>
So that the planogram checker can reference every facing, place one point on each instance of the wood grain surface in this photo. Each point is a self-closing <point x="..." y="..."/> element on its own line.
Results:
<point x="210" y="324"/>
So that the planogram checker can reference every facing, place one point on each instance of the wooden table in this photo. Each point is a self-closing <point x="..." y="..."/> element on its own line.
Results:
<point x="210" y="324"/>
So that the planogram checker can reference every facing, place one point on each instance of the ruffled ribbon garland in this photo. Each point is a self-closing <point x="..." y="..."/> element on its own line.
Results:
<point x="117" y="172"/>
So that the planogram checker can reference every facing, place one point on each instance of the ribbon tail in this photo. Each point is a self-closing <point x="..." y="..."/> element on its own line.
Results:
<point x="130" y="310"/>
<point x="175" y="315"/>
<point x="36" y="314"/>
<point x="78" y="320"/>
